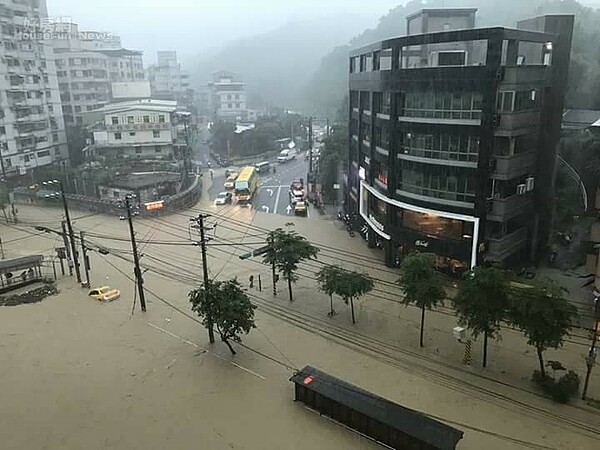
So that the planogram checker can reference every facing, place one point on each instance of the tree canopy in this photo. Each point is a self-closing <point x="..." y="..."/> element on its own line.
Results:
<point x="345" y="283"/>
<point x="286" y="250"/>
<point x="543" y="314"/>
<point x="482" y="302"/>
<point x="227" y="306"/>
<point x="420" y="284"/>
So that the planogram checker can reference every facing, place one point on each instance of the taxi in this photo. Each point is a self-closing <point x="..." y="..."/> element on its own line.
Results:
<point x="105" y="293"/>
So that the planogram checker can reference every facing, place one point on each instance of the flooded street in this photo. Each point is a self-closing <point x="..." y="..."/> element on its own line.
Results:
<point x="84" y="374"/>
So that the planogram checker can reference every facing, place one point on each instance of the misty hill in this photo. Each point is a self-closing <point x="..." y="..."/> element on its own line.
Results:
<point x="329" y="84"/>
<point x="276" y="65"/>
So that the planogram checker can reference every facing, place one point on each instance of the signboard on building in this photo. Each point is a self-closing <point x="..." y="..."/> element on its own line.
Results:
<point x="154" y="206"/>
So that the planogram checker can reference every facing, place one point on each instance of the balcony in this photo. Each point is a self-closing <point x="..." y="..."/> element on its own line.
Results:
<point x="507" y="208"/>
<point x="514" y="121"/>
<point x="509" y="167"/>
<point x="501" y="248"/>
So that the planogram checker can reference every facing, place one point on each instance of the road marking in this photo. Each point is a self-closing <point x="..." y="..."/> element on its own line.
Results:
<point x="307" y="213"/>
<point x="288" y="209"/>
<point x="272" y="187"/>
<point x="193" y="344"/>
<point x="277" y="199"/>
<point x="270" y="191"/>
<point x="265" y="208"/>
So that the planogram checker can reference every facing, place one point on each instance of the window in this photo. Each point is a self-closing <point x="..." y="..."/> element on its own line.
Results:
<point x="376" y="60"/>
<point x="2" y="130"/>
<point x="117" y="136"/>
<point x="114" y="120"/>
<point x="525" y="100"/>
<point x="353" y="64"/>
<point x="451" y="58"/>
<point x="132" y="133"/>
<point x="129" y="119"/>
<point x="504" y="101"/>
<point x="156" y="134"/>
<point x="161" y="118"/>
<point x="138" y="150"/>
<point x="237" y="106"/>
<point x="50" y="108"/>
<point x="157" y="149"/>
<point x="54" y="137"/>
<point x="43" y="154"/>
<point x="146" y="119"/>
<point x="229" y="105"/>
<point x="385" y="61"/>
<point x="77" y="108"/>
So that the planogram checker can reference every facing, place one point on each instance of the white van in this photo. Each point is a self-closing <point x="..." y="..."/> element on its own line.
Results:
<point x="286" y="155"/>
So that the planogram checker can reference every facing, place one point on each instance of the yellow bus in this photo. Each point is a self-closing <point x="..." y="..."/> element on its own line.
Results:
<point x="246" y="185"/>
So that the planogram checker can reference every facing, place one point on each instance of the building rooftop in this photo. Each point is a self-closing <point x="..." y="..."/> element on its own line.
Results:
<point x="442" y="11"/>
<point x="119" y="52"/>
<point x="147" y="104"/>
<point x="579" y="119"/>
<point x="141" y="180"/>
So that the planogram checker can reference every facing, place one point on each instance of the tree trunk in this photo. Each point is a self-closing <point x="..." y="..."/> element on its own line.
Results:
<point x="274" y="282"/>
<point x="332" y="312"/>
<point x="541" y="359"/>
<point x="422" y="324"/>
<point x="352" y="309"/>
<point x="290" y="288"/>
<point x="485" y="342"/>
<point x="229" y="345"/>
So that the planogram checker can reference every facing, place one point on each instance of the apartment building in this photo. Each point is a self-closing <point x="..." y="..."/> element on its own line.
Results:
<point x="87" y="63"/>
<point x="228" y="97"/>
<point x="139" y="129"/>
<point x="453" y="137"/>
<point x="168" y="80"/>
<point x="32" y="130"/>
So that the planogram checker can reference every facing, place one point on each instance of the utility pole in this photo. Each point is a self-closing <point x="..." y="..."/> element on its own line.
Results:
<point x="310" y="145"/>
<point x="86" y="261"/>
<point x="200" y="222"/>
<point x="67" y="249"/>
<point x="328" y="126"/>
<point x="69" y="225"/>
<point x="591" y="358"/>
<point x="1" y="248"/>
<point x="136" y="259"/>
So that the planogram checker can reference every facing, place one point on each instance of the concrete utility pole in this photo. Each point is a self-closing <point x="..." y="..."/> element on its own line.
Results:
<point x="200" y="221"/>
<point x="136" y="259"/>
<point x="86" y="261"/>
<point x="591" y="358"/>
<point x="71" y="234"/>
<point x="65" y="237"/>
<point x="310" y="145"/>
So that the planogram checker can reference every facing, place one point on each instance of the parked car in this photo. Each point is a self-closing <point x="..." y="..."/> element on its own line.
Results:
<point x="300" y="208"/>
<point x="230" y="182"/>
<point x="105" y="293"/>
<point x="223" y="198"/>
<point x="263" y="167"/>
<point x="286" y="155"/>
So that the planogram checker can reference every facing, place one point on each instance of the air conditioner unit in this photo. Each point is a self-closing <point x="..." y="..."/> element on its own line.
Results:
<point x="521" y="189"/>
<point x="529" y="182"/>
<point x="500" y="74"/>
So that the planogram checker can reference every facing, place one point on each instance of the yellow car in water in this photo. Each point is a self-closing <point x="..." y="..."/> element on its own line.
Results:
<point x="105" y="293"/>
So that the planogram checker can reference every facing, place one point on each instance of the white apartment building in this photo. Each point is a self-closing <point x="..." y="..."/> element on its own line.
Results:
<point x="167" y="80"/>
<point x="140" y="129"/>
<point x="228" y="97"/>
<point x="32" y="130"/>
<point x="87" y="62"/>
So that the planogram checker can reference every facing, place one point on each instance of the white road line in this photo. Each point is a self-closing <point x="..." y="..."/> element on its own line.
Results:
<point x="307" y="212"/>
<point x="233" y="363"/>
<point x="277" y="200"/>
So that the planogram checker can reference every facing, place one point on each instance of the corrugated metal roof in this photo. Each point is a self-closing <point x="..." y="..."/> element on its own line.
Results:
<point x="580" y="118"/>
<point x="406" y="420"/>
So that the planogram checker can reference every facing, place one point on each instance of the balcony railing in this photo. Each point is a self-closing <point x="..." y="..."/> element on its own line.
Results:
<point x="509" y="167"/>
<point x="138" y="126"/>
<point x="502" y="247"/>
<point x="507" y="208"/>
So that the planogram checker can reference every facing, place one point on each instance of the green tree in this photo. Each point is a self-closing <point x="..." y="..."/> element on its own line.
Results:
<point x="227" y="306"/>
<point x="334" y="153"/>
<point x="287" y="250"/>
<point x="544" y="316"/>
<point x="347" y="284"/>
<point x="420" y="284"/>
<point x="482" y="302"/>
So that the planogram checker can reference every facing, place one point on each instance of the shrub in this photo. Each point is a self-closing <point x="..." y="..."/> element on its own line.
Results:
<point x="560" y="391"/>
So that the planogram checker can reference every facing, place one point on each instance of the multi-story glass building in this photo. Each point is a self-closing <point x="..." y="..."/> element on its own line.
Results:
<point x="453" y="137"/>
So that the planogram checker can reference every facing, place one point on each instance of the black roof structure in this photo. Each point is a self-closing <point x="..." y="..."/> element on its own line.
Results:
<point x="405" y="420"/>
<point x="23" y="262"/>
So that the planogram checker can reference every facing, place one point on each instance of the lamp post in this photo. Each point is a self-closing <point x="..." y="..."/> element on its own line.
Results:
<point x="69" y="225"/>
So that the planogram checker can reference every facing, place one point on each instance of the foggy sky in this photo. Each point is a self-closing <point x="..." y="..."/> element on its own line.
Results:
<point x="191" y="26"/>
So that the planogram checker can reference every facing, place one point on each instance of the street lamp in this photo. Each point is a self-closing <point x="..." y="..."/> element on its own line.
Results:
<point x="68" y="218"/>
